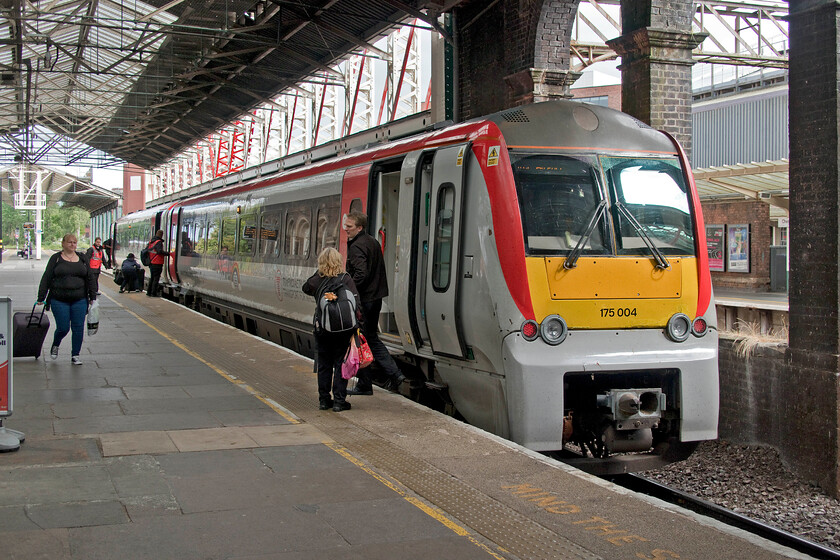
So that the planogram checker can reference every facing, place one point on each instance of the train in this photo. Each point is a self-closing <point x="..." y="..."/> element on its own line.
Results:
<point x="547" y="266"/>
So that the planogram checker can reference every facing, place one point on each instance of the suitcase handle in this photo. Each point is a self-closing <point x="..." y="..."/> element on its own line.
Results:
<point x="30" y="322"/>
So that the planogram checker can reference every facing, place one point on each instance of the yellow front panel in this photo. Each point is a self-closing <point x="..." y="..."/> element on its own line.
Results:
<point x="612" y="292"/>
<point x="613" y="277"/>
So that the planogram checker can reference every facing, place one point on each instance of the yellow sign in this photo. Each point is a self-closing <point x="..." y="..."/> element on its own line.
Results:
<point x="493" y="156"/>
<point x="459" y="161"/>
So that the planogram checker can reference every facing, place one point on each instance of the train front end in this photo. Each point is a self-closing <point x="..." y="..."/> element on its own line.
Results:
<point x="617" y="363"/>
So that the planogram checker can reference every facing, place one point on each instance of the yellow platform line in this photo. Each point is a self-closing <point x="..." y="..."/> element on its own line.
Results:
<point x="434" y="512"/>
<point x="269" y="402"/>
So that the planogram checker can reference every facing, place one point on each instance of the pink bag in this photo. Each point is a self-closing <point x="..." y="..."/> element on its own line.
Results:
<point x="350" y="366"/>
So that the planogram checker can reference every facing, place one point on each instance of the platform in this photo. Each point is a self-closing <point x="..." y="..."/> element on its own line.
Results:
<point x="181" y="437"/>
<point x="768" y="311"/>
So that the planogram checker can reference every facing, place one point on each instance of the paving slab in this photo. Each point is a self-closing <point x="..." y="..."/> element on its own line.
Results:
<point x="148" y="451"/>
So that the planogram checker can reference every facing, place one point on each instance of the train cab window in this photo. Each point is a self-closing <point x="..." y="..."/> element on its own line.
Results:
<point x="297" y="233"/>
<point x="650" y="200"/>
<point x="247" y="235"/>
<point x="212" y="237"/>
<point x="356" y="205"/>
<point x="558" y="197"/>
<point x="229" y="234"/>
<point x="326" y="229"/>
<point x="445" y="214"/>
<point x="270" y="225"/>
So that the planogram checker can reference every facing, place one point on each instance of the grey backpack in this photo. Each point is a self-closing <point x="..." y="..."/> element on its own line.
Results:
<point x="339" y="314"/>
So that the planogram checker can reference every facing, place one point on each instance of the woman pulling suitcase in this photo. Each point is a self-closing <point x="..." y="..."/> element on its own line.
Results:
<point x="67" y="287"/>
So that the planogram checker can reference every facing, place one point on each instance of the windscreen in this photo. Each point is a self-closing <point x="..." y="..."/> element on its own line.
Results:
<point x="558" y="197"/>
<point x="653" y="191"/>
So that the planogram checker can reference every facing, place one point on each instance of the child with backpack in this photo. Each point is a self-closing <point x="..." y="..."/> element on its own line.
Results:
<point x="336" y="319"/>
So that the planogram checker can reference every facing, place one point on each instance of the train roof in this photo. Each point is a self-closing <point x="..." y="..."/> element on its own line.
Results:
<point x="575" y="124"/>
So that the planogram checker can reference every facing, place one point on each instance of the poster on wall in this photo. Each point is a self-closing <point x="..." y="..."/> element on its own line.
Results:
<point x="715" y="244"/>
<point x="738" y="248"/>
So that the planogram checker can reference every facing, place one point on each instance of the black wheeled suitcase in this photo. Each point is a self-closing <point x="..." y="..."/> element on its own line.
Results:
<point x="30" y="332"/>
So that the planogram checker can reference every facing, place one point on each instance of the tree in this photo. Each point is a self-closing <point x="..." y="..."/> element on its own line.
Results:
<point x="12" y="220"/>
<point x="60" y="220"/>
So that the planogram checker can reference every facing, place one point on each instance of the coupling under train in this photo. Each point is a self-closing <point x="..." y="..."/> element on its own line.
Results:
<point x="547" y="268"/>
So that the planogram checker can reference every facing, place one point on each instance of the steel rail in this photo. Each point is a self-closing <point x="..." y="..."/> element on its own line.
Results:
<point x="649" y="487"/>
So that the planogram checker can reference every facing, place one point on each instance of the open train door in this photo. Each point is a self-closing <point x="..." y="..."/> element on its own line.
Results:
<point x="171" y="243"/>
<point x="442" y="272"/>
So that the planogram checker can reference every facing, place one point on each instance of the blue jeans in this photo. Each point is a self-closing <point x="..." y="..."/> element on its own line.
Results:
<point x="70" y="316"/>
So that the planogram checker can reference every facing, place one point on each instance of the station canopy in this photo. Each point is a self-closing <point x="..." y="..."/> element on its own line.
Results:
<point x="765" y="181"/>
<point x="56" y="187"/>
<point x="142" y="81"/>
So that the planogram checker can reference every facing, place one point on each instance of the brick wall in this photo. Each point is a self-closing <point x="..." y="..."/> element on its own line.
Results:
<point x="757" y="214"/>
<point x="765" y="399"/>
<point x="499" y="48"/>
<point x="613" y="94"/>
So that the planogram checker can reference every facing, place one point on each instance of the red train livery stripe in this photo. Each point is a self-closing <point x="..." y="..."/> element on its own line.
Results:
<point x="505" y="210"/>
<point x="704" y="277"/>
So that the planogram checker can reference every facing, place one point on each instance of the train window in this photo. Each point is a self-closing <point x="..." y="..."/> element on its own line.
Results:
<point x="186" y="244"/>
<point x="229" y="234"/>
<point x="212" y="237"/>
<point x="558" y="197"/>
<point x="654" y="193"/>
<point x="444" y="221"/>
<point x="270" y="233"/>
<point x="326" y="230"/>
<point x="247" y="235"/>
<point x="199" y="237"/>
<point x="356" y="205"/>
<point x="297" y="233"/>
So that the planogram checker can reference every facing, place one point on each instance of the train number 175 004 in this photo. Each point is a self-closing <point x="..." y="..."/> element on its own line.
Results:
<point x="618" y="312"/>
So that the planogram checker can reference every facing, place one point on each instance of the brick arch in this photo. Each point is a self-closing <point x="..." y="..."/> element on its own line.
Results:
<point x="513" y="52"/>
<point x="553" y="34"/>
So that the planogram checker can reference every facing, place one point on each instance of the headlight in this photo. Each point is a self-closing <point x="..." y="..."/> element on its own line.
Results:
<point x="553" y="329"/>
<point x="679" y="327"/>
<point x="699" y="327"/>
<point x="530" y="330"/>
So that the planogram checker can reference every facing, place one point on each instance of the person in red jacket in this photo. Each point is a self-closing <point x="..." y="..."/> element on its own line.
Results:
<point x="158" y="254"/>
<point x="96" y="258"/>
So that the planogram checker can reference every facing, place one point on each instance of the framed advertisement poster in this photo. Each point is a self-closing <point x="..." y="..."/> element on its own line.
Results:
<point x="738" y="248"/>
<point x="716" y="245"/>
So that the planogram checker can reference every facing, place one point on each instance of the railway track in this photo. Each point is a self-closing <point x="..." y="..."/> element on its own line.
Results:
<point x="648" y="487"/>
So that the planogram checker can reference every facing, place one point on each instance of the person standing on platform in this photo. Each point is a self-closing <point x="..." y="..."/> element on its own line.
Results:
<point x="96" y="257"/>
<point x="367" y="268"/>
<point x="67" y="287"/>
<point x="158" y="253"/>
<point x="108" y="246"/>
<point x="330" y="346"/>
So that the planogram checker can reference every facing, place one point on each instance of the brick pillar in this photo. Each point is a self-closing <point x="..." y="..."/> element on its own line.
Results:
<point x="656" y="78"/>
<point x="814" y="340"/>
<point x="513" y="52"/>
<point x="539" y="84"/>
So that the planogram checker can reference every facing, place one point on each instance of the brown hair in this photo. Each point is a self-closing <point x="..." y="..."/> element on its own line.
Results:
<point x="359" y="218"/>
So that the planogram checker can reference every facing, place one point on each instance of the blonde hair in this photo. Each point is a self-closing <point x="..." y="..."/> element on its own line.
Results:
<point x="329" y="262"/>
<point x="67" y="237"/>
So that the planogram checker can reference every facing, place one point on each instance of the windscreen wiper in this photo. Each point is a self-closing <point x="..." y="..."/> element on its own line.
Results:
<point x="571" y="260"/>
<point x="661" y="261"/>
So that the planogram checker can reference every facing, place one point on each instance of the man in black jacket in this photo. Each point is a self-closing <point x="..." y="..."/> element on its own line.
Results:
<point x="367" y="268"/>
